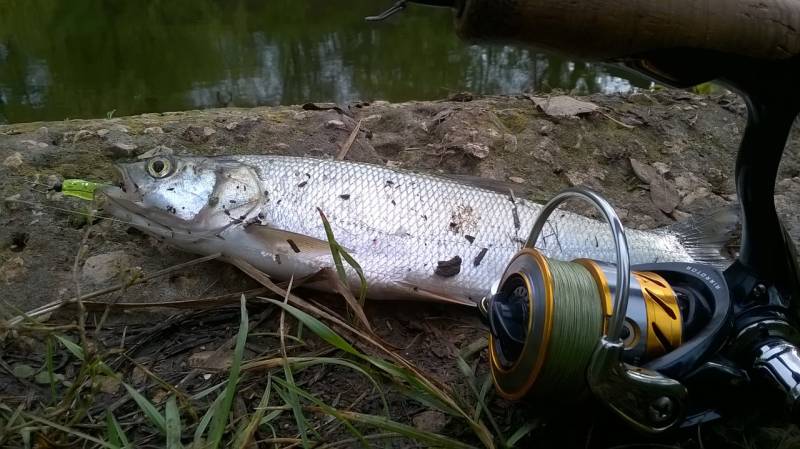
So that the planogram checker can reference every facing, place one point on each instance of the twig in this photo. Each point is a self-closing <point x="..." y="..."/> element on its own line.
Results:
<point x="616" y="121"/>
<point x="82" y="248"/>
<point x="349" y="142"/>
<point x="55" y="305"/>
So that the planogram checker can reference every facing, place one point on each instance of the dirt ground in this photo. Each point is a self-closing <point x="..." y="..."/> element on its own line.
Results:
<point x="688" y="140"/>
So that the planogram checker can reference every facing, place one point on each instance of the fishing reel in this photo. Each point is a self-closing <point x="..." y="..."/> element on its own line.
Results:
<point x="639" y="338"/>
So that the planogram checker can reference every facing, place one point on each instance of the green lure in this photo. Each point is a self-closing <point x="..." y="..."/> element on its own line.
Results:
<point x="80" y="188"/>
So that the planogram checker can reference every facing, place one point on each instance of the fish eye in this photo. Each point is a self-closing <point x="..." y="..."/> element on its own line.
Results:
<point x="159" y="167"/>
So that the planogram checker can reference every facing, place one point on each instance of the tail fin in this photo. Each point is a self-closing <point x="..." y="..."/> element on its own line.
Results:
<point x="706" y="236"/>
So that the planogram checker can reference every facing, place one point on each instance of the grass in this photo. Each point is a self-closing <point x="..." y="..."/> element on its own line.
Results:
<point x="91" y="395"/>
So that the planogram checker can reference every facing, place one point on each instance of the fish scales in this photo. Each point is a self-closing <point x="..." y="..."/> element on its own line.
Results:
<point x="415" y="235"/>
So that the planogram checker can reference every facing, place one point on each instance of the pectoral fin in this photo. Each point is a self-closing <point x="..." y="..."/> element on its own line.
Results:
<point x="286" y="242"/>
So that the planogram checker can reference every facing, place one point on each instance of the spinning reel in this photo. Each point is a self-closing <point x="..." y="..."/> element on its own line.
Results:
<point x="557" y="333"/>
<point x="678" y="338"/>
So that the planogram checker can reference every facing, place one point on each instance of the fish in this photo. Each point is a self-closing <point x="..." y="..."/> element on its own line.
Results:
<point x="415" y="235"/>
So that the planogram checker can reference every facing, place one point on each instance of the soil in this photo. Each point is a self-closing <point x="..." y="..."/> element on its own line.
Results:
<point x="688" y="140"/>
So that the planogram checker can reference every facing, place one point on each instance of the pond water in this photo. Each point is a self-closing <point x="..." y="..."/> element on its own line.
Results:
<point x="90" y="58"/>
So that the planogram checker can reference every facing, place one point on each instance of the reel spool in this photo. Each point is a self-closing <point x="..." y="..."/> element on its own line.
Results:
<point x="555" y="331"/>
<point x="547" y="317"/>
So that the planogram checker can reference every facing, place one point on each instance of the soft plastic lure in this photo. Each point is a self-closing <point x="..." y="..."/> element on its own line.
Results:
<point x="79" y="188"/>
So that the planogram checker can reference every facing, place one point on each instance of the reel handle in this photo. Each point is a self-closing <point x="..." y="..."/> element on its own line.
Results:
<point x="646" y="399"/>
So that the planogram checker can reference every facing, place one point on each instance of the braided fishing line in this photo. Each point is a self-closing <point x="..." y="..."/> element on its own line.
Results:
<point x="577" y="326"/>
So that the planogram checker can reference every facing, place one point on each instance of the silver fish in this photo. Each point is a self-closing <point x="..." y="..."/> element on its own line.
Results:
<point x="415" y="235"/>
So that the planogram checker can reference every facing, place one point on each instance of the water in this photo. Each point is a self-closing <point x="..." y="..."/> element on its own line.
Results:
<point x="90" y="58"/>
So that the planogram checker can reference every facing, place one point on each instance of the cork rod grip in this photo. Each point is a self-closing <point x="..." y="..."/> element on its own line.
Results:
<point x="615" y="29"/>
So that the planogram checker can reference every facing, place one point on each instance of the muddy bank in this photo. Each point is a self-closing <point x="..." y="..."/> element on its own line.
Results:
<point x="683" y="146"/>
<point x="658" y="156"/>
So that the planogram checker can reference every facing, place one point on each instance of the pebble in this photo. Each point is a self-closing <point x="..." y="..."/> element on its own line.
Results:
<point x="102" y="132"/>
<point x="102" y="268"/>
<point x="208" y="131"/>
<point x="158" y="150"/>
<point x="120" y="128"/>
<point x="230" y="126"/>
<point x="13" y="161"/>
<point x="516" y="179"/>
<point x="121" y="149"/>
<point x="432" y="421"/>
<point x="12" y="269"/>
<point x="335" y="124"/>
<point x="35" y="144"/>
<point x="478" y="150"/>
<point x="154" y="130"/>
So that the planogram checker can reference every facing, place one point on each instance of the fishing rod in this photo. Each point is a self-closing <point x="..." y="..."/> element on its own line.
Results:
<point x="664" y="344"/>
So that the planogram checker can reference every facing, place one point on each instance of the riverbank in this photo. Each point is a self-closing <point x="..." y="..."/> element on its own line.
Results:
<point x="659" y="157"/>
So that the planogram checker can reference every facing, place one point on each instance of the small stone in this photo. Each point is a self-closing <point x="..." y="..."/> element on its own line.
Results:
<point x="477" y="150"/>
<point x="230" y="126"/>
<point x="208" y="131"/>
<point x="121" y="149"/>
<point x="280" y="146"/>
<point x="120" y="128"/>
<point x="85" y="134"/>
<point x="661" y="168"/>
<point x="516" y="179"/>
<point x="394" y="164"/>
<point x="13" y="161"/>
<point x="138" y="376"/>
<point x="102" y="268"/>
<point x="563" y="106"/>
<point x="432" y="421"/>
<point x="644" y="172"/>
<point x="35" y="144"/>
<point x="159" y="150"/>
<point x="12" y="269"/>
<point x="195" y="134"/>
<point x="108" y="384"/>
<point x="102" y="132"/>
<point x="211" y="360"/>
<point x="335" y="124"/>
<point x="154" y="130"/>
<point x="664" y="195"/>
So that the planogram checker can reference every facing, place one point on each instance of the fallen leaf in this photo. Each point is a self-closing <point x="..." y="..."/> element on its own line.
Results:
<point x="664" y="195"/>
<point x="23" y="371"/>
<point x="563" y="106"/>
<point x="644" y="172"/>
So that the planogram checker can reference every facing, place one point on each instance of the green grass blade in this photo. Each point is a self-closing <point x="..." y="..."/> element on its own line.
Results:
<point x="150" y="410"/>
<point x="427" y="438"/>
<point x="173" y="421"/>
<point x="69" y="430"/>
<point x="335" y="248"/>
<point x="50" y="366"/>
<point x="318" y="327"/>
<point x="220" y="418"/>
<point x="244" y="437"/>
<point x="116" y="436"/>
<point x="520" y="433"/>
<point x="338" y="253"/>
<point x="75" y="349"/>
<point x="325" y="408"/>
<point x="205" y="421"/>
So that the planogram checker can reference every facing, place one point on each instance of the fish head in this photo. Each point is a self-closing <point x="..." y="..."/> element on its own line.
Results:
<point x="172" y="196"/>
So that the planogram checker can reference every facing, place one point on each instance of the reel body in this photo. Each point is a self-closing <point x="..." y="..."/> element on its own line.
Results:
<point x="638" y="338"/>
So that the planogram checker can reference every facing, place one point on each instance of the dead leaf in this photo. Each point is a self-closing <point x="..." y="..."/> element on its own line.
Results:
<point x="664" y="195"/>
<point x="212" y="360"/>
<point x="563" y="106"/>
<point x="23" y="371"/>
<point x="644" y="172"/>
